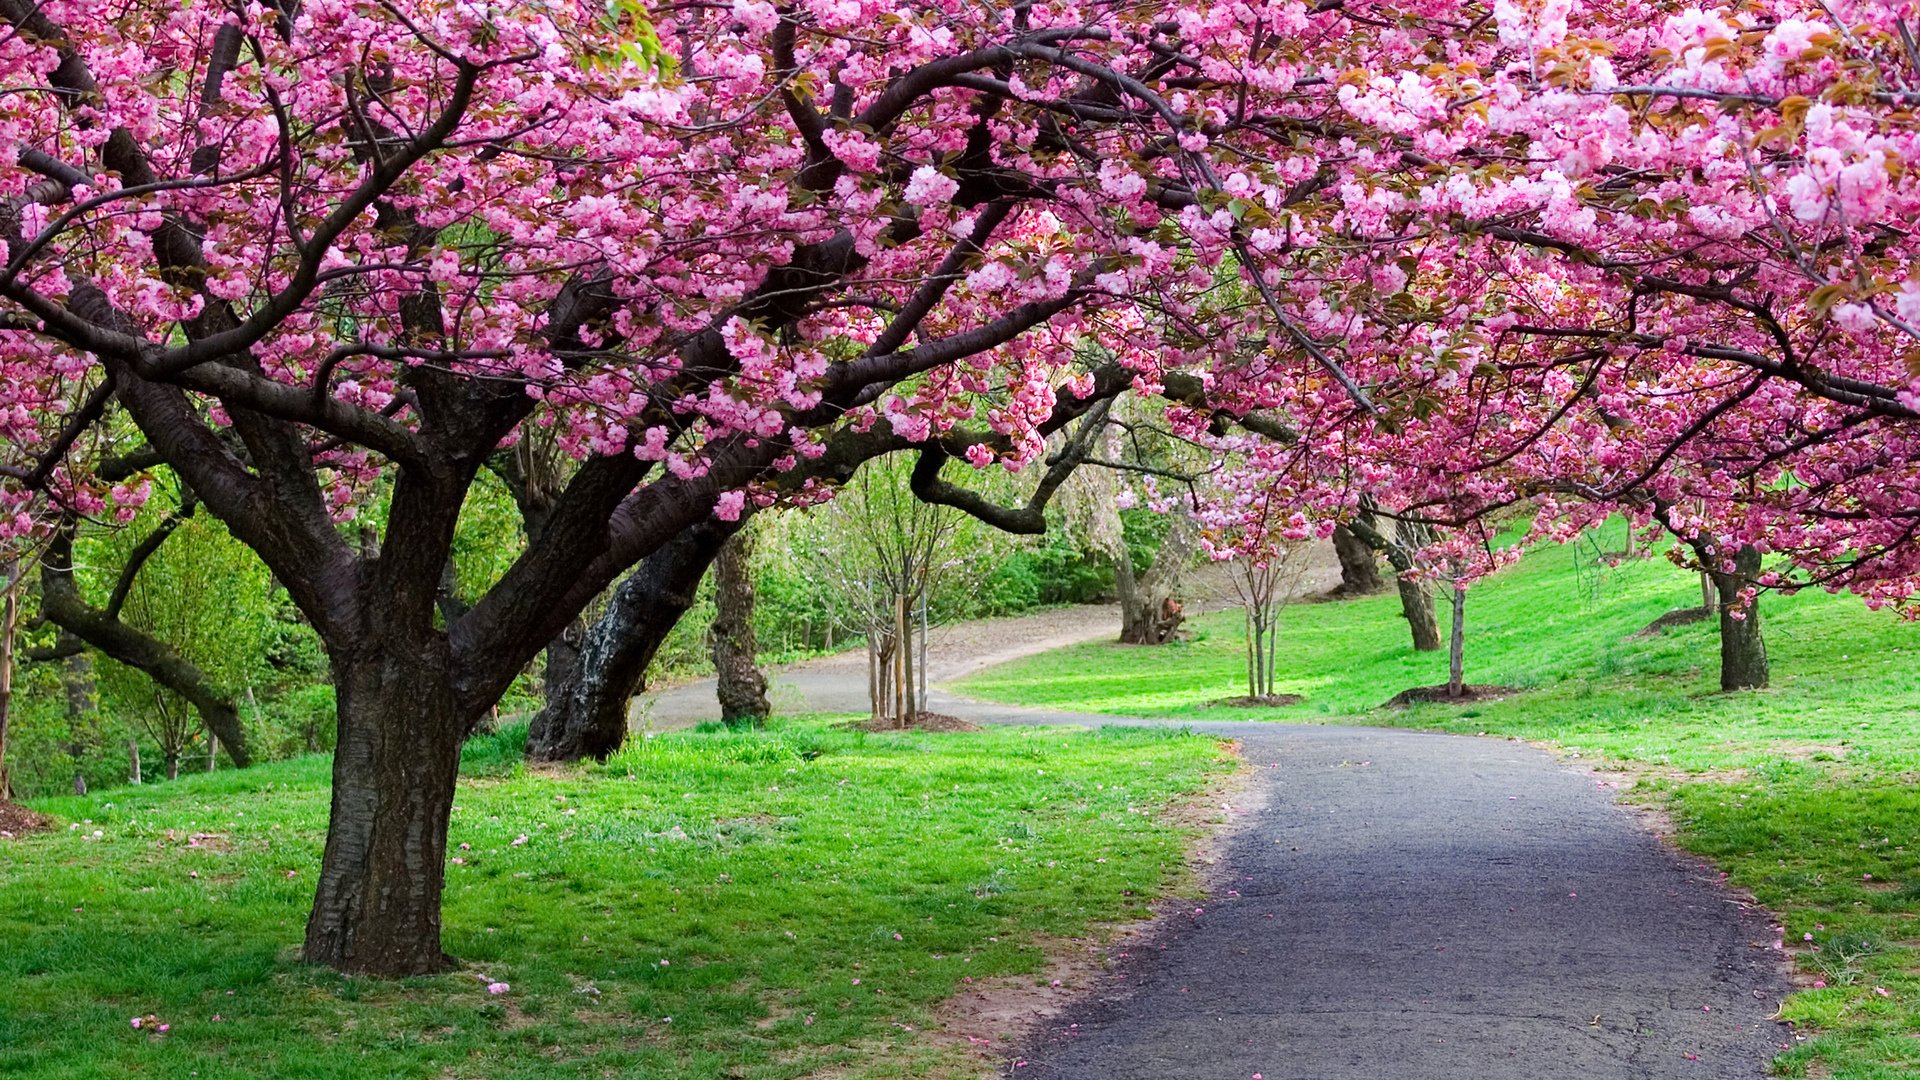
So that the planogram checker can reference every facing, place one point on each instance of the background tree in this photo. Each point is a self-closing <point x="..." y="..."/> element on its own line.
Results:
<point x="740" y="686"/>
<point x="885" y="550"/>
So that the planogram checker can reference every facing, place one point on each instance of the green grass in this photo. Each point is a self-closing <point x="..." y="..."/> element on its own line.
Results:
<point x="1805" y="793"/>
<point x="705" y="905"/>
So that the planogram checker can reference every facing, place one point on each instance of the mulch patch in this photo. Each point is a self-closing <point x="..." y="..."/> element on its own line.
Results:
<point x="1264" y="701"/>
<point x="1676" y="617"/>
<point x="1470" y="692"/>
<point x="926" y="721"/>
<point x="17" y="821"/>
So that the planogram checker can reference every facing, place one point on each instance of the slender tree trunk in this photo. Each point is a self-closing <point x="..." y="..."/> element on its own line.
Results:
<point x="1709" y="593"/>
<point x="9" y="628"/>
<point x="1743" y="652"/>
<point x="1253" y="678"/>
<point x="1359" y="564"/>
<point x="1456" y="649"/>
<point x="376" y="909"/>
<point x="587" y="716"/>
<point x="741" y="688"/>
<point x="213" y="751"/>
<point x="133" y="760"/>
<point x="902" y="663"/>
<point x="83" y="713"/>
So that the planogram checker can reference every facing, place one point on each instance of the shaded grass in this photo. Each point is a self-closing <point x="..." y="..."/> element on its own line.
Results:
<point x="1805" y="793"/>
<point x="705" y="905"/>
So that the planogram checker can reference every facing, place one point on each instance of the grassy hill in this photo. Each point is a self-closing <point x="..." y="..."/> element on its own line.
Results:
<point x="705" y="905"/>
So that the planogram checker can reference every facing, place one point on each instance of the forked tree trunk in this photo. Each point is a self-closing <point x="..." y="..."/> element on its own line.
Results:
<point x="587" y="716"/>
<point x="1359" y="564"/>
<point x="740" y="686"/>
<point x="377" y="907"/>
<point x="1743" y="651"/>
<point x="1456" y="649"/>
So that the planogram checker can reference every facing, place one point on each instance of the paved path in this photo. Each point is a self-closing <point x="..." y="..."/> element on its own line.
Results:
<point x="1397" y="905"/>
<point x="1413" y="906"/>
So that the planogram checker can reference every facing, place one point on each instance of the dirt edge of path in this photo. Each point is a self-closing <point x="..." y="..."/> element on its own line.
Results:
<point x="992" y="1019"/>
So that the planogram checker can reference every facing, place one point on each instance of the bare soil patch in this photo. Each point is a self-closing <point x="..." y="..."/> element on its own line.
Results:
<point x="17" y="821"/>
<point x="1264" y="701"/>
<point x="926" y="721"/>
<point x="1441" y="693"/>
<point x="1676" y="617"/>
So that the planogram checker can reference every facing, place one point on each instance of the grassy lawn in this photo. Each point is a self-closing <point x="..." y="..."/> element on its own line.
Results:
<point x="706" y="905"/>
<point x="1805" y="793"/>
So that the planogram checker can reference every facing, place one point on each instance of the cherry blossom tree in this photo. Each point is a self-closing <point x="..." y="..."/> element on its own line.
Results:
<point x="329" y="258"/>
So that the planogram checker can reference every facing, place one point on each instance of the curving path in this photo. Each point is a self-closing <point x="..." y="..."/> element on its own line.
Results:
<point x="1398" y="905"/>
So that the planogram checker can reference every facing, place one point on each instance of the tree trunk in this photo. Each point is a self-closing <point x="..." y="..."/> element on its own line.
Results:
<point x="741" y="688"/>
<point x="562" y="662"/>
<point x="1149" y="614"/>
<point x="133" y="760"/>
<point x="1416" y="606"/>
<point x="9" y="627"/>
<point x="1709" y="593"/>
<point x="83" y="712"/>
<point x="170" y="760"/>
<point x="588" y="716"/>
<point x="377" y="906"/>
<point x="903" y="670"/>
<point x="1456" y="649"/>
<point x="1359" y="565"/>
<point x="1743" y="652"/>
<point x="1416" y="602"/>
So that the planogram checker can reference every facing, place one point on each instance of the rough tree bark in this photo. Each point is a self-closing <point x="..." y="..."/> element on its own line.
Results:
<point x="587" y="716"/>
<point x="377" y="907"/>
<point x="1743" y="652"/>
<point x="1359" y="565"/>
<point x="740" y="686"/>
